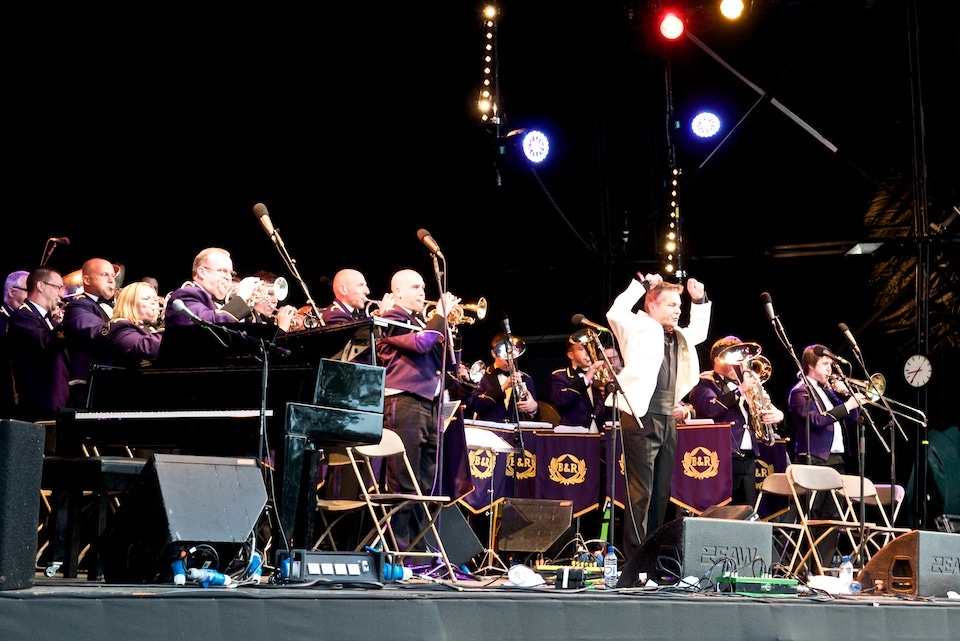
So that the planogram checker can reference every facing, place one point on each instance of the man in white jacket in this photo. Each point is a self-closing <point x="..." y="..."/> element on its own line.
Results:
<point x="660" y="367"/>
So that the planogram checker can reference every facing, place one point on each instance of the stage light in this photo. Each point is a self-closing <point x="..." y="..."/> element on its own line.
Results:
<point x="531" y="144"/>
<point x="705" y="124"/>
<point x="731" y="9"/>
<point x="671" y="26"/>
<point x="487" y="100"/>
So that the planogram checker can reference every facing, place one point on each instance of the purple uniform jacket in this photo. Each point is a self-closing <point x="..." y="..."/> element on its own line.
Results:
<point x="800" y="406"/>
<point x="413" y="359"/>
<point x="337" y="312"/>
<point x="711" y="399"/>
<point x="200" y="302"/>
<point x="38" y="364"/>
<point x="131" y="344"/>
<point x="568" y="393"/>
<point x="487" y="402"/>
<point x="83" y="322"/>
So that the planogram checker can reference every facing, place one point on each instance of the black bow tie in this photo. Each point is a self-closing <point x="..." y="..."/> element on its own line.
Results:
<point x="503" y="372"/>
<point x="107" y="302"/>
<point x="357" y="314"/>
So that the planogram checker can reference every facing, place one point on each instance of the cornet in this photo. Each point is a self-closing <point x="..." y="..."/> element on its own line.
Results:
<point x="458" y="314"/>
<point x="279" y="289"/>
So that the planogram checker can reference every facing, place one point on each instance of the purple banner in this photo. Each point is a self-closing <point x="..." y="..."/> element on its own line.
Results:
<point x="702" y="472"/>
<point x="568" y="467"/>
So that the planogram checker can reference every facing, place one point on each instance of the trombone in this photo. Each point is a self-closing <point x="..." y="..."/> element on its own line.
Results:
<point x="873" y="391"/>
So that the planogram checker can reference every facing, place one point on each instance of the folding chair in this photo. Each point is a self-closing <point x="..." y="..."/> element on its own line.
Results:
<point x="787" y="531"/>
<point x="333" y="504"/>
<point x="382" y="504"/>
<point x="875" y="535"/>
<point x="828" y="482"/>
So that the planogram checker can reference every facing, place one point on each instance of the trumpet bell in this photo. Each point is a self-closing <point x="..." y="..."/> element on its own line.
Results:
<point x="280" y="288"/>
<point x="509" y="348"/>
<point x="476" y="371"/>
<point x="736" y="354"/>
<point x="479" y="308"/>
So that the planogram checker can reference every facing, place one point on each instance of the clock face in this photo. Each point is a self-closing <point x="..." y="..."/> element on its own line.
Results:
<point x="917" y="370"/>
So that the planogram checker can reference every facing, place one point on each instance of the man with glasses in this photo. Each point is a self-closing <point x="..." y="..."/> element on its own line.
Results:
<point x="14" y="293"/>
<point x="36" y="346"/>
<point x="206" y="299"/>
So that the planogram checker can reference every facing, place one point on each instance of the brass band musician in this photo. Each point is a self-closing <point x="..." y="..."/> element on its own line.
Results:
<point x="727" y="394"/>
<point x="492" y="398"/>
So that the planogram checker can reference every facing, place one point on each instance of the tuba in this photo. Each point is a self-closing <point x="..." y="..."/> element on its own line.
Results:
<point x="752" y="363"/>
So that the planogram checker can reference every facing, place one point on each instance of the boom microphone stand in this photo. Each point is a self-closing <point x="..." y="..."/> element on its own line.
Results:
<point x="261" y="211"/>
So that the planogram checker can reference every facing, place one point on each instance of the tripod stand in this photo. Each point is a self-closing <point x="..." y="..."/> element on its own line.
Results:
<point x="493" y="445"/>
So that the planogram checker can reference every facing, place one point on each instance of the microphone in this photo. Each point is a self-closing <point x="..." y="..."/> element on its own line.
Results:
<point x="850" y="339"/>
<point x="820" y="350"/>
<point x="506" y="323"/>
<point x="63" y="240"/>
<point x="178" y="306"/>
<point x="431" y="244"/>
<point x="580" y="319"/>
<point x="261" y="211"/>
<point x="768" y="305"/>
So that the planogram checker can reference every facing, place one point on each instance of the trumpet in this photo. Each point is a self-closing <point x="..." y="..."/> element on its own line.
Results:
<point x="873" y="391"/>
<point x="585" y="337"/>
<point x="458" y="314"/>
<point x="280" y="289"/>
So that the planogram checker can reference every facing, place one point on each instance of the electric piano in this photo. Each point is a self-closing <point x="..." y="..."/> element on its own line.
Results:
<point x="289" y="411"/>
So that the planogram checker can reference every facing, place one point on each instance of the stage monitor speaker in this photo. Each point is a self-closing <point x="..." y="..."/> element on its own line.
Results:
<point x="691" y="546"/>
<point x="459" y="539"/>
<point x="532" y="525"/>
<point x="730" y="511"/>
<point x="180" y="503"/>
<point x="918" y="562"/>
<point x="21" y="468"/>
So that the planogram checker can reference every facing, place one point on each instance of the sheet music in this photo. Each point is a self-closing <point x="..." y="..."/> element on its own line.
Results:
<point x="485" y="439"/>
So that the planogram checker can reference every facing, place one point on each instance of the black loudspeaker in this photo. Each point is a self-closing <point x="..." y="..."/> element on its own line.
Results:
<point x="532" y="525"/>
<point x="179" y="503"/>
<point x="700" y="547"/>
<point x="459" y="539"/>
<point x="918" y="562"/>
<point x="21" y="467"/>
<point x="735" y="512"/>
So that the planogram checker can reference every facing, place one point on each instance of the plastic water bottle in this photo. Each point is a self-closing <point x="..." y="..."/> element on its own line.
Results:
<point x="845" y="574"/>
<point x="610" y="569"/>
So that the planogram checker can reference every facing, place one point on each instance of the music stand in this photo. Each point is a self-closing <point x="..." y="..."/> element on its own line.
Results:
<point x="487" y="440"/>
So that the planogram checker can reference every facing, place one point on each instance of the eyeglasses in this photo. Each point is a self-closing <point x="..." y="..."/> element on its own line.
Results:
<point x="59" y="287"/>
<point x="223" y="271"/>
<point x="22" y="289"/>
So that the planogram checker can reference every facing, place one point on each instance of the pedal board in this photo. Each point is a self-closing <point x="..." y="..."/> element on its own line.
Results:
<point x="757" y="586"/>
<point x="336" y="567"/>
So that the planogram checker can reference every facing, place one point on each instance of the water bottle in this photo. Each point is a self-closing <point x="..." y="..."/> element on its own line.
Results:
<point x="845" y="574"/>
<point x="610" y="569"/>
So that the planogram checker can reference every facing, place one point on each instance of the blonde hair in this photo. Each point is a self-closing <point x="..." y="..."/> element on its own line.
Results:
<point x="125" y="307"/>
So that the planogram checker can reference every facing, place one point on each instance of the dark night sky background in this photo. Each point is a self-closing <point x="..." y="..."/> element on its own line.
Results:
<point x="146" y="137"/>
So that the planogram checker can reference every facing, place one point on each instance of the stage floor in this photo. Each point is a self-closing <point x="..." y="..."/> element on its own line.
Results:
<point x="479" y="608"/>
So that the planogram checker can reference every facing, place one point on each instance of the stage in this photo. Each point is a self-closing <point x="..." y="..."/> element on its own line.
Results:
<point x="479" y="608"/>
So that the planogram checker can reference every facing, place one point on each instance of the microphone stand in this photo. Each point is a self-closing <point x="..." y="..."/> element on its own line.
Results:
<point x="518" y="437"/>
<point x="48" y="248"/>
<point x="612" y="387"/>
<point x="440" y="275"/>
<point x="893" y="421"/>
<point x="862" y="454"/>
<point x="292" y="266"/>
<point x="811" y="393"/>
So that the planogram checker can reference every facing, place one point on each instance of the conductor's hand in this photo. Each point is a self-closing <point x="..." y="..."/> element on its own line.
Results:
<point x="696" y="289"/>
